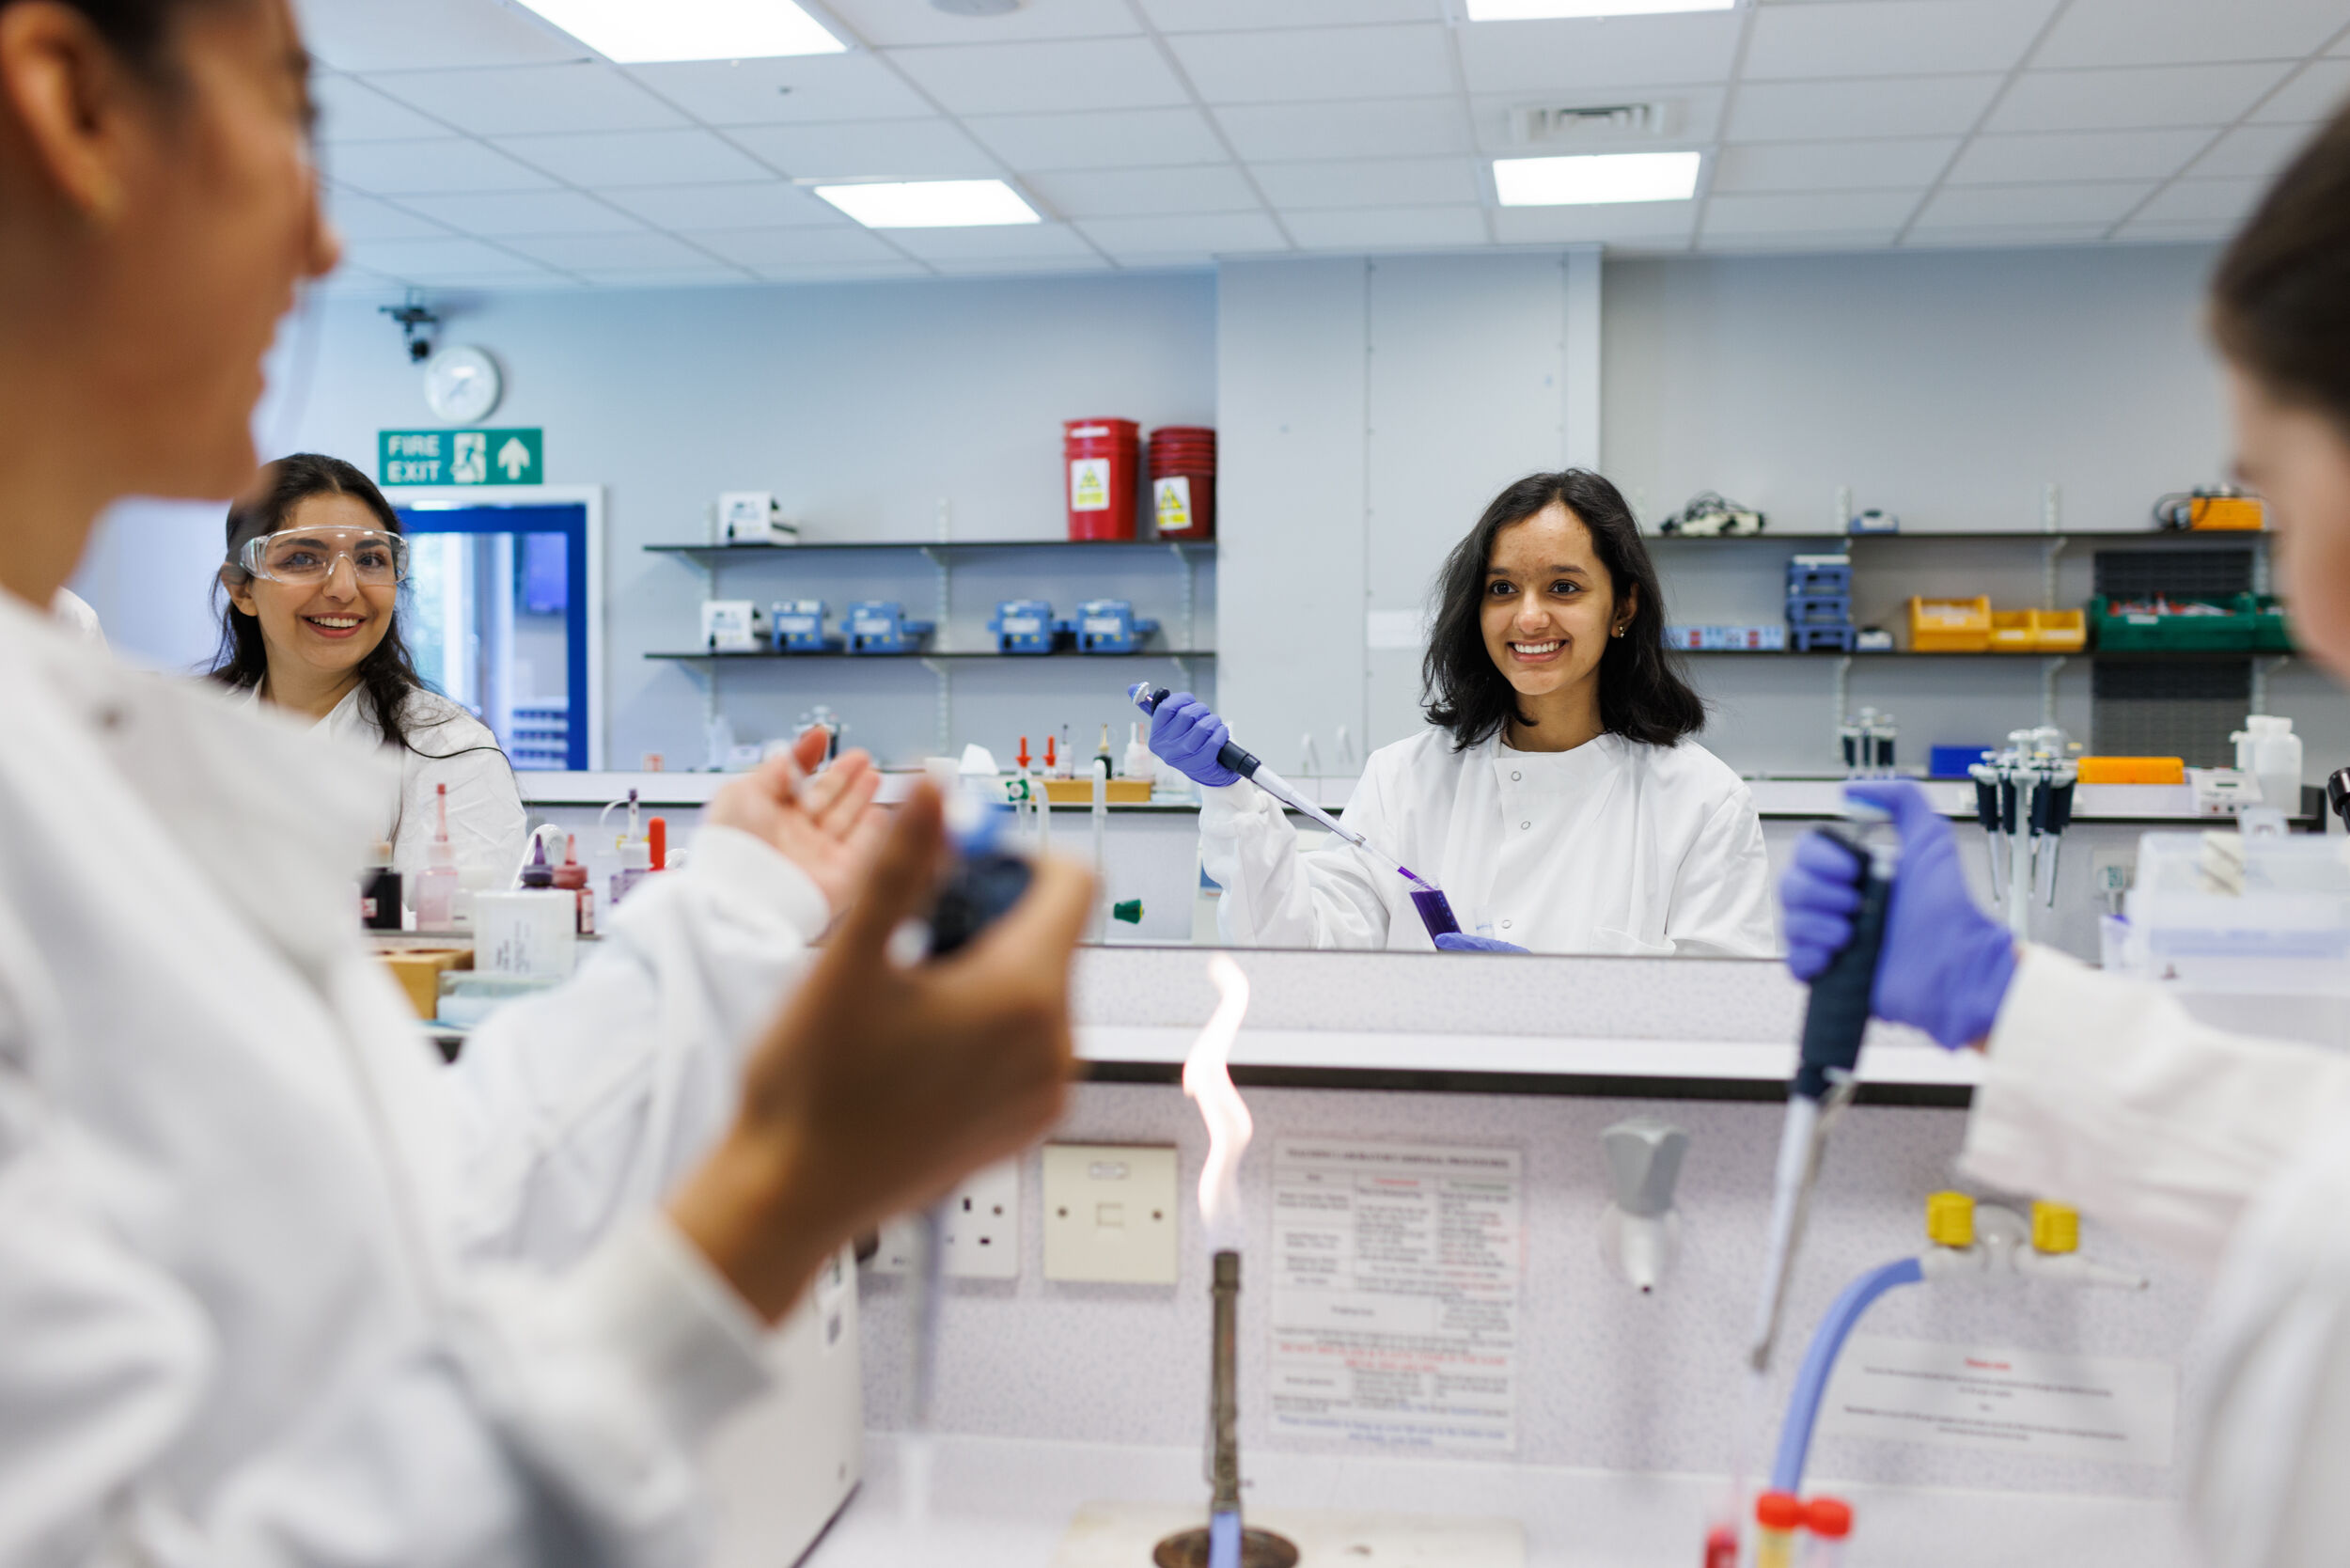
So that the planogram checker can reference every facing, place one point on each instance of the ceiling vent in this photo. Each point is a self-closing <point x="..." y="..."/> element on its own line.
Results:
<point x="1588" y="124"/>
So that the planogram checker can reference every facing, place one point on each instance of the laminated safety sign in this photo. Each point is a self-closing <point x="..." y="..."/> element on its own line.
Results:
<point x="1089" y="484"/>
<point x="1174" y="504"/>
<point x="460" y="456"/>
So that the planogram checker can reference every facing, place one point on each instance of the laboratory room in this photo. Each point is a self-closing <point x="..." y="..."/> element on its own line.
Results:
<point x="1201" y="783"/>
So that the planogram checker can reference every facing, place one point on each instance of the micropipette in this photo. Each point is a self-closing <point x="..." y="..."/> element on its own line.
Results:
<point x="1435" y="910"/>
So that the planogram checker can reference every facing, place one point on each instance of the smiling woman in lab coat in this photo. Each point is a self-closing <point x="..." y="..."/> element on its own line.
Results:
<point x="274" y="1286"/>
<point x="2231" y="1153"/>
<point x="1557" y="798"/>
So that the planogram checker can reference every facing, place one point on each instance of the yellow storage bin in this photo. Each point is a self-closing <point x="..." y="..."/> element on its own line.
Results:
<point x="2012" y="632"/>
<point x="2133" y="770"/>
<point x="1949" y="625"/>
<point x="2059" y="631"/>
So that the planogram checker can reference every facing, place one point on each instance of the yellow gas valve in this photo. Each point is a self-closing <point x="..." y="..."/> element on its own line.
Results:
<point x="1950" y="1219"/>
<point x="2054" y="1226"/>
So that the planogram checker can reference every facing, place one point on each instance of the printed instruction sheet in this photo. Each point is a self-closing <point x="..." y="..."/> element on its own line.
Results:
<point x="1396" y="1269"/>
<point x="2107" y="1407"/>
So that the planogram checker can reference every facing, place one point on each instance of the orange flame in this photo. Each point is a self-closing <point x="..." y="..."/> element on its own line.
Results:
<point x="1208" y="1080"/>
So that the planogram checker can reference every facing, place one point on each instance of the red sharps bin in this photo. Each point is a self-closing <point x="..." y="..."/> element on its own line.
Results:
<point x="1102" y="458"/>
<point x="1182" y="481"/>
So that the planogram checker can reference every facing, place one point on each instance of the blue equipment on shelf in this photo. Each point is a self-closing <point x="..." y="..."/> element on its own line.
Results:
<point x="1819" y="574"/>
<point x="882" y="626"/>
<point x="799" y="626"/>
<point x="1111" y="626"/>
<point x="1819" y="603"/>
<point x="1813" y="639"/>
<point x="1027" y="626"/>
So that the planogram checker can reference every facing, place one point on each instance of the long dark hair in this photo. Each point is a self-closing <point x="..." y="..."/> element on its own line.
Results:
<point x="2280" y="299"/>
<point x="1642" y="695"/>
<point x="388" y="675"/>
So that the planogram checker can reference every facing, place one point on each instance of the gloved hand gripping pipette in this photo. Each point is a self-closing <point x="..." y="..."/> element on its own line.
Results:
<point x="1187" y="735"/>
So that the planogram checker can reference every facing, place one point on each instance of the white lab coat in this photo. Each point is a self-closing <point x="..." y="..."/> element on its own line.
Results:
<point x="2233" y="1155"/>
<point x="276" y="1288"/>
<point x="1614" y="847"/>
<point x="446" y="746"/>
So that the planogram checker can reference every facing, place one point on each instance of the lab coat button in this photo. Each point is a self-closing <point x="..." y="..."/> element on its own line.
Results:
<point x="1526" y="825"/>
<point x="1515" y="777"/>
<point x="1505" y="925"/>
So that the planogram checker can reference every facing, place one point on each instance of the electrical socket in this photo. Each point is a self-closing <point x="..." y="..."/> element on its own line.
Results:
<point x="1110" y="1213"/>
<point x="982" y="1233"/>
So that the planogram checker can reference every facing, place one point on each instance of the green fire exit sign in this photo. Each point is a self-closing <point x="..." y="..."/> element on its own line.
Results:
<point x="460" y="456"/>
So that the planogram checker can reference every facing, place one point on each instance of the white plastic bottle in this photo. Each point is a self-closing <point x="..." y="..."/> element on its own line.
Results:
<point x="2276" y="760"/>
<point x="436" y="890"/>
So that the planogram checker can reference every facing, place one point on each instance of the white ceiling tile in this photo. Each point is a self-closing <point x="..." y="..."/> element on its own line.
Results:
<point x="444" y="163"/>
<point x="2064" y="155"/>
<point x="1691" y="115"/>
<point x="2251" y="152"/>
<point x="2315" y="92"/>
<point x="2002" y="237"/>
<point x="580" y="252"/>
<point x="615" y="158"/>
<point x="1266" y="133"/>
<point x="408" y="257"/>
<point x="361" y="217"/>
<point x="1006" y="79"/>
<point x="495" y="214"/>
<point x="787" y="91"/>
<point x="1840" y="111"/>
<point x="519" y="99"/>
<point x="1024" y="240"/>
<point x="367" y="35"/>
<point x="1890" y="163"/>
<point x="1370" y="182"/>
<point x="1388" y="228"/>
<point x="1808" y="241"/>
<point x="774" y="204"/>
<point x="2120" y="100"/>
<point x="842" y="272"/>
<point x="1650" y="224"/>
<point x="1984" y="206"/>
<point x="1001" y="266"/>
<point x="1823" y="212"/>
<point x="1892" y="38"/>
<point x="352" y="111"/>
<point x="2188" y="32"/>
<point x="668" y="277"/>
<point x="764" y="248"/>
<point x="1221" y="16"/>
<point x="1132" y="192"/>
<point x="888" y="23"/>
<point x="1108" y="139"/>
<point x="877" y="149"/>
<point x="2138" y="231"/>
<point x="1214" y="234"/>
<point x="2212" y="201"/>
<point x="1551" y="57"/>
<point x="1285" y="66"/>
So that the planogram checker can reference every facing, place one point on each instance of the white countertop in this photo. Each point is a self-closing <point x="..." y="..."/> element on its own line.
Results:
<point x="1005" y="1502"/>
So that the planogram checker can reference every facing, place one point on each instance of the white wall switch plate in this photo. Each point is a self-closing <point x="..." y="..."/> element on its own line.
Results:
<point x="1110" y="1213"/>
<point x="982" y="1235"/>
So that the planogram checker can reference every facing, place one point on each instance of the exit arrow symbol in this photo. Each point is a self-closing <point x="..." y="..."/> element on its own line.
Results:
<point x="514" y="458"/>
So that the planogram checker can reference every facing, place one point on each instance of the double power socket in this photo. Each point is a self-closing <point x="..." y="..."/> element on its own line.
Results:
<point x="1110" y="1217"/>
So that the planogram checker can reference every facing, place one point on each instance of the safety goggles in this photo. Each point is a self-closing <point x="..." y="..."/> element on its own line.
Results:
<point x="308" y="555"/>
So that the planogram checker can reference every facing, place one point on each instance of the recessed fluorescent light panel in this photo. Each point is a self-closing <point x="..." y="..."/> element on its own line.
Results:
<point x="637" y="32"/>
<point x="931" y="204"/>
<point x="1544" y="10"/>
<point x="1596" y="178"/>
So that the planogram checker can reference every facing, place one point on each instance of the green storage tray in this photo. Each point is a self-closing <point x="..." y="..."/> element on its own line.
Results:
<point x="2228" y="633"/>
<point x="2271" y="634"/>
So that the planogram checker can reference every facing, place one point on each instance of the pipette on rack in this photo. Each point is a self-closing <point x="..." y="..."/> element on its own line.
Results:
<point x="1435" y="910"/>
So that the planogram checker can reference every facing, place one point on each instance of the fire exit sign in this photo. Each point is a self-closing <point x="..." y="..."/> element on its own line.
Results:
<point x="460" y="456"/>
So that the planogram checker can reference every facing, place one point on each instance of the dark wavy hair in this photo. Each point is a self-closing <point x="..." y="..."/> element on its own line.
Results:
<point x="139" y="30"/>
<point x="1642" y="694"/>
<point x="386" y="675"/>
<point x="2281" y="298"/>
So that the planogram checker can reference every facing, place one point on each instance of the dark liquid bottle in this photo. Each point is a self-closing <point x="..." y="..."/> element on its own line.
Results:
<point x="379" y="892"/>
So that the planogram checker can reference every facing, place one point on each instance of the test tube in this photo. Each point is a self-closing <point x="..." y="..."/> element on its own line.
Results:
<point x="1778" y="1516"/>
<point x="1830" y="1519"/>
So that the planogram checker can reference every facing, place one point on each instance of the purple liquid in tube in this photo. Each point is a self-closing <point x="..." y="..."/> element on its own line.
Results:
<point x="1435" y="910"/>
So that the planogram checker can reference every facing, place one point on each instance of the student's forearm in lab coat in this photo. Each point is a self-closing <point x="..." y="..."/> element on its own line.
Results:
<point x="1275" y="892"/>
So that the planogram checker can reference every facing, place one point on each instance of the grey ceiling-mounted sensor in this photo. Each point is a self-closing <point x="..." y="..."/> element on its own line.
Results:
<point x="976" y="8"/>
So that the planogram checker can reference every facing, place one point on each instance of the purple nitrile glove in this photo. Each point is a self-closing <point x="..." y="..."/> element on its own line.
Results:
<point x="1946" y="965"/>
<point x="1186" y="735"/>
<point x="1462" y="942"/>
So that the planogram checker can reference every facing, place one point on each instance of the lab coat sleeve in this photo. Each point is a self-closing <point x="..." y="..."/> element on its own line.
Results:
<point x="1277" y="894"/>
<point x="575" y="1107"/>
<point x="548" y="1420"/>
<point x="2102" y="1092"/>
<point x="1722" y="905"/>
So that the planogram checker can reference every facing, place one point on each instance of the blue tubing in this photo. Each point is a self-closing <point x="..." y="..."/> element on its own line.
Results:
<point x="1223" y="1541"/>
<point x="1803" y="1404"/>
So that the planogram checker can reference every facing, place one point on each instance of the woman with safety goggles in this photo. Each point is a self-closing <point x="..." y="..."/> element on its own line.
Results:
<point x="312" y="625"/>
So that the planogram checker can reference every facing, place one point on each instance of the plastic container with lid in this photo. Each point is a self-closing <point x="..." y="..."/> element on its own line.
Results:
<point x="1182" y="481"/>
<point x="1829" y="1520"/>
<point x="1777" y="1517"/>
<point x="2267" y="748"/>
<point x="1102" y="459"/>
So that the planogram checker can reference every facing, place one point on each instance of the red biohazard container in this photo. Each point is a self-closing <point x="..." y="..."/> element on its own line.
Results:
<point x="1101" y="459"/>
<point x="1182" y="481"/>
